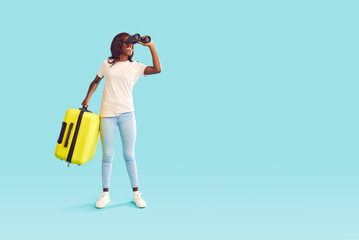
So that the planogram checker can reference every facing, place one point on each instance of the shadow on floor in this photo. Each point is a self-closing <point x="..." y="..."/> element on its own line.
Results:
<point x="108" y="206"/>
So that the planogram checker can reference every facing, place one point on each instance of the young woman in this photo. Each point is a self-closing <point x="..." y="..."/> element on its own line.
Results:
<point x="117" y="109"/>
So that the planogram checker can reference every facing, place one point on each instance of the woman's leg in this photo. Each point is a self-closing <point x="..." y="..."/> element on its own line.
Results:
<point x="107" y="133"/>
<point x="127" y="125"/>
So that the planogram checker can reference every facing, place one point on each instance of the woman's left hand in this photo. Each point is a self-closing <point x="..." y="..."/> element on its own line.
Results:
<point x="146" y="44"/>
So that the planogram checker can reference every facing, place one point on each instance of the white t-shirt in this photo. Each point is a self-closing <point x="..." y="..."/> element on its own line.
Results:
<point x="119" y="81"/>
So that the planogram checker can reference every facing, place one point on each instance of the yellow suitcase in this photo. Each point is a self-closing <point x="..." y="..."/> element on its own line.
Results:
<point x="79" y="136"/>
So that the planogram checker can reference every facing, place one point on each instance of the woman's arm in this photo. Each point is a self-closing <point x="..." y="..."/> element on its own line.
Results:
<point x="91" y="90"/>
<point x="155" y="60"/>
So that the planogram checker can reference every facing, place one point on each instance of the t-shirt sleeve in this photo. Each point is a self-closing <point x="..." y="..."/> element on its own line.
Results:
<point x="141" y="69"/>
<point x="102" y="71"/>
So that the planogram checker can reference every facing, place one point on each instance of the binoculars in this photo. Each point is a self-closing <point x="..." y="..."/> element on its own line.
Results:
<point x="137" y="38"/>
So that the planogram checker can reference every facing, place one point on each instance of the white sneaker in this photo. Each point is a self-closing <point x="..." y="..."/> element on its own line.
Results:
<point x="138" y="200"/>
<point x="103" y="200"/>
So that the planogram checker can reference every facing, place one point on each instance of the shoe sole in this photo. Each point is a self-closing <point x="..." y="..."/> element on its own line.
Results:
<point x="103" y="206"/>
<point x="139" y="206"/>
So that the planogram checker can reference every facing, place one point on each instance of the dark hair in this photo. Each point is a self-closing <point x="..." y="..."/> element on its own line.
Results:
<point x="116" y="47"/>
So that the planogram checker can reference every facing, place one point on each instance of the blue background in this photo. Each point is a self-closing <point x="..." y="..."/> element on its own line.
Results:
<point x="250" y="130"/>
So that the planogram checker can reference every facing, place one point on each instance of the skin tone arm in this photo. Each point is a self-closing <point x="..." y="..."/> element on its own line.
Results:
<point x="155" y="59"/>
<point x="91" y="90"/>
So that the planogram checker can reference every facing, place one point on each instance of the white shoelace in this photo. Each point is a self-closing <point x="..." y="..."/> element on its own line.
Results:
<point x="103" y="196"/>
<point x="138" y="195"/>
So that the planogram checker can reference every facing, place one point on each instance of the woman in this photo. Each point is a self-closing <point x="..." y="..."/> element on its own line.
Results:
<point x="117" y="109"/>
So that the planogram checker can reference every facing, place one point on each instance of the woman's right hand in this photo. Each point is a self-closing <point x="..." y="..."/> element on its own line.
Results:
<point x="85" y="103"/>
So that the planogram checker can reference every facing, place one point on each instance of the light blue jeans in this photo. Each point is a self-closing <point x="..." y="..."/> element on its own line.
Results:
<point x="126" y="122"/>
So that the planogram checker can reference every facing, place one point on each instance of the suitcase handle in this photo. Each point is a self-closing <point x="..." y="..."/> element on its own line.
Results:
<point x="68" y="135"/>
<point x="62" y="133"/>
<point x="85" y="109"/>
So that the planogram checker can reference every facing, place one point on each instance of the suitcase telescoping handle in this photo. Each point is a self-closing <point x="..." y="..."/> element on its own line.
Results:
<point x="85" y="109"/>
<point x="73" y="142"/>
<point x="69" y="156"/>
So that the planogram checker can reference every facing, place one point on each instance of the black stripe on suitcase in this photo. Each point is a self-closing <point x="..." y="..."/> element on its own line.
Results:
<point x="72" y="148"/>
<point x="68" y="135"/>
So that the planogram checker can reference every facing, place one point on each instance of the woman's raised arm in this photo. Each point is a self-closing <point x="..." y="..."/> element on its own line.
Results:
<point x="155" y="60"/>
